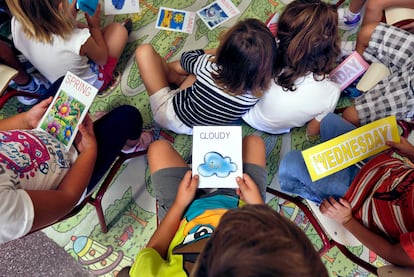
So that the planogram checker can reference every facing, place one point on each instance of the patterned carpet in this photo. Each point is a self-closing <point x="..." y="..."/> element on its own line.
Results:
<point x="129" y="204"/>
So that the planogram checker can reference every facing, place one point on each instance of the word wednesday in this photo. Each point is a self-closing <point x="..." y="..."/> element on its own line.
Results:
<point x="350" y="148"/>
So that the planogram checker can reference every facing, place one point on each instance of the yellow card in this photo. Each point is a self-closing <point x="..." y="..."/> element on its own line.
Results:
<point x="340" y="152"/>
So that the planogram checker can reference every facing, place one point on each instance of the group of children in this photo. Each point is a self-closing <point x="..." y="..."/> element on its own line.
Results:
<point x="272" y="84"/>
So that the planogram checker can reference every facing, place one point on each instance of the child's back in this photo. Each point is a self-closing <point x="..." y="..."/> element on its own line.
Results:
<point x="307" y="51"/>
<point x="47" y="34"/>
<point x="228" y="81"/>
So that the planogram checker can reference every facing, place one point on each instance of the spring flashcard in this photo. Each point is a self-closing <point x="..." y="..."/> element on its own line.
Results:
<point x="217" y="155"/>
<point x="175" y="20"/>
<point x="217" y="13"/>
<point x="68" y="109"/>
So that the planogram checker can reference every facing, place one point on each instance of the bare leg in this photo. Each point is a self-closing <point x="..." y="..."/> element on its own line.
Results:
<point x="351" y="115"/>
<point x="375" y="8"/>
<point x="161" y="155"/>
<point x="355" y="6"/>
<point x="116" y="37"/>
<point x="8" y="57"/>
<point x="155" y="72"/>
<point x="364" y="36"/>
<point x="254" y="150"/>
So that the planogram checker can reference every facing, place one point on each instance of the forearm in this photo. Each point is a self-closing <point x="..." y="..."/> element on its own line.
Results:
<point x="391" y="252"/>
<point x="165" y="232"/>
<point x="18" y="121"/>
<point x="51" y="205"/>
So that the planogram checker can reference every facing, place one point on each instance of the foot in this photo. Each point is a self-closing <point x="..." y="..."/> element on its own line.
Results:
<point x="128" y="25"/>
<point x="140" y="144"/>
<point x="38" y="86"/>
<point x="347" y="22"/>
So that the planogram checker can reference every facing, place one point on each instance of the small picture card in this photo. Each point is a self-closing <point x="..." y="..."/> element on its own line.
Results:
<point x="338" y="153"/>
<point x="349" y="70"/>
<point x="121" y="6"/>
<point x="217" y="155"/>
<point x="175" y="20"/>
<point x="217" y="13"/>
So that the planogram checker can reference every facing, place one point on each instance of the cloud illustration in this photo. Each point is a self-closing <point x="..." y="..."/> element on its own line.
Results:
<point x="216" y="164"/>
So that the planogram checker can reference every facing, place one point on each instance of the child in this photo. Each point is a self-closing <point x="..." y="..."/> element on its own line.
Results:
<point x="23" y="80"/>
<point x="227" y="83"/>
<point x="40" y="181"/>
<point x="350" y="17"/>
<point x="394" y="95"/>
<point x="247" y="241"/>
<point x="375" y="202"/>
<point x="47" y="34"/>
<point x="188" y="216"/>
<point x="307" y="51"/>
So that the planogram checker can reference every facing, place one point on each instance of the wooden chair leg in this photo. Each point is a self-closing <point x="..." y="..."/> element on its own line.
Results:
<point x="97" y="200"/>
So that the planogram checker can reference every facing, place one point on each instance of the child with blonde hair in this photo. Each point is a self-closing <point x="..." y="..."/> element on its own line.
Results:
<point x="48" y="35"/>
<point x="228" y="82"/>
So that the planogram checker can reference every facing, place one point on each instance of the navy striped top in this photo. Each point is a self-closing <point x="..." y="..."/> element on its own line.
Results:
<point x="204" y="103"/>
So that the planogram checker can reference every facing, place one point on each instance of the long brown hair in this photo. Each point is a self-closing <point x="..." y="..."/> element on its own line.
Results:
<point x="246" y="58"/>
<point x="256" y="241"/>
<point x="308" y="41"/>
<point x="42" y="18"/>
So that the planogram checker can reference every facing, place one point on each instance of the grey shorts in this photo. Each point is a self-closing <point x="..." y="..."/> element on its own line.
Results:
<point x="393" y="95"/>
<point x="165" y="184"/>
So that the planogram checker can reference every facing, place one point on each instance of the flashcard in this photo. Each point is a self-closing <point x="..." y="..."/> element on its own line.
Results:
<point x="175" y="20"/>
<point x="217" y="13"/>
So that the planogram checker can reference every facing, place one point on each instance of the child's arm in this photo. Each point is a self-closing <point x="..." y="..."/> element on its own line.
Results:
<point x="403" y="147"/>
<point x="342" y="213"/>
<point x="165" y="232"/>
<point x="26" y="120"/>
<point x="51" y="205"/>
<point x="95" y="47"/>
<point x="313" y="127"/>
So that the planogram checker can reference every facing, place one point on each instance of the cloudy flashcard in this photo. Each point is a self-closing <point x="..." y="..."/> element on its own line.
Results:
<point x="121" y="6"/>
<point x="175" y="20"/>
<point x="217" y="13"/>
<point x="217" y="155"/>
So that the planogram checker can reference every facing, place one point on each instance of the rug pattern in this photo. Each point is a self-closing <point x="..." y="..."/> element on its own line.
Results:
<point x="129" y="203"/>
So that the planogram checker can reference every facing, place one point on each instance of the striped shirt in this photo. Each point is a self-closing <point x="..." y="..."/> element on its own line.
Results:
<point x="204" y="103"/>
<point x="382" y="198"/>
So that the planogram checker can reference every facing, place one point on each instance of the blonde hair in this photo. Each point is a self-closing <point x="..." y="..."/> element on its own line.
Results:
<point x="42" y="19"/>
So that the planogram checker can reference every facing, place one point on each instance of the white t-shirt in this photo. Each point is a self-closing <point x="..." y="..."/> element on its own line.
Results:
<point x="278" y="111"/>
<point x="29" y="160"/>
<point x="54" y="59"/>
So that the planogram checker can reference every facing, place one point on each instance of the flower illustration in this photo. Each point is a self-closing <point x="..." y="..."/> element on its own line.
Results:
<point x="64" y="109"/>
<point x="53" y="128"/>
<point x="68" y="132"/>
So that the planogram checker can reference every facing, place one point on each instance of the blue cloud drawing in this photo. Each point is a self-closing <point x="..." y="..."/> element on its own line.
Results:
<point x="216" y="164"/>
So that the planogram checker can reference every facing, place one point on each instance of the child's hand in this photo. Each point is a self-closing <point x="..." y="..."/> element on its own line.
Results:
<point x="248" y="190"/>
<point x="34" y="115"/>
<point x="403" y="147"/>
<point x="85" y="139"/>
<point x="95" y="20"/>
<point x="340" y="211"/>
<point x="186" y="190"/>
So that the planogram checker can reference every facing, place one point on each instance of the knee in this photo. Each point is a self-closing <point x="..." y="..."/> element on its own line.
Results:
<point x="254" y="141"/>
<point x="143" y="51"/>
<point x="158" y="148"/>
<point x="350" y="114"/>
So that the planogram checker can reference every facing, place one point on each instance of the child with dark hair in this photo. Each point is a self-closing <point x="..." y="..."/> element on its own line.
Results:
<point x="308" y="48"/>
<point x="393" y="95"/>
<point x="251" y="241"/>
<point x="223" y="84"/>
<point x="190" y="216"/>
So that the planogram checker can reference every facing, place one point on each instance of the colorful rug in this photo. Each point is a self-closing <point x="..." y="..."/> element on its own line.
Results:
<point x="129" y="203"/>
